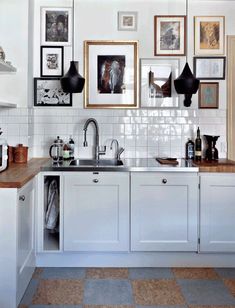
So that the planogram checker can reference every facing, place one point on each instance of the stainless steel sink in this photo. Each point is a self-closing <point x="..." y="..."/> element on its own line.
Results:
<point x="93" y="162"/>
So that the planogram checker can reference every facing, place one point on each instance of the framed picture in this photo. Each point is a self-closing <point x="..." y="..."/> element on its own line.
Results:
<point x="52" y="61"/>
<point x="111" y="73"/>
<point x="209" y="95"/>
<point x="48" y="92"/>
<point x="127" y="21"/>
<point x="157" y="76"/>
<point x="56" y="26"/>
<point x="209" y="67"/>
<point x="209" y="35"/>
<point x="169" y="35"/>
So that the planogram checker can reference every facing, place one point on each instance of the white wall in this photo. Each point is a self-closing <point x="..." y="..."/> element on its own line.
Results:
<point x="143" y="133"/>
<point x="14" y="41"/>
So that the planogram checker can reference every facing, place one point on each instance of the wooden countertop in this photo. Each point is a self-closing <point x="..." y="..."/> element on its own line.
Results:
<point x="223" y="165"/>
<point x="17" y="175"/>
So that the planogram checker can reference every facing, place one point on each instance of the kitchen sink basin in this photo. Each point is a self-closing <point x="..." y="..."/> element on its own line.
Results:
<point x="93" y="162"/>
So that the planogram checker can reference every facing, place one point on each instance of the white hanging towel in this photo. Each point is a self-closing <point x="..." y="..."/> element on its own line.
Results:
<point x="52" y="206"/>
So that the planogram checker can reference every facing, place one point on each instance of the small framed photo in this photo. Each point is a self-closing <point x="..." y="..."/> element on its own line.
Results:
<point x="127" y="21"/>
<point x="169" y="35"/>
<point x="209" y="35"/>
<point x="56" y="26"/>
<point x="52" y="61"/>
<point x="209" y="95"/>
<point x="209" y="68"/>
<point x="111" y="73"/>
<point x="48" y="92"/>
<point x="157" y="88"/>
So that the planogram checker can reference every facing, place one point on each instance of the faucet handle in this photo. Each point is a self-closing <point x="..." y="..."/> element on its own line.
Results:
<point x="120" y="151"/>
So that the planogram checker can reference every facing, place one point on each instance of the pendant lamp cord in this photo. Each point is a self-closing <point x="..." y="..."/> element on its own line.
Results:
<point x="187" y="29"/>
<point x="73" y="33"/>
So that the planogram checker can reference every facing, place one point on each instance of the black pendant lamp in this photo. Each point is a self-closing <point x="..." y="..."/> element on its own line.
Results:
<point x="187" y="83"/>
<point x="72" y="81"/>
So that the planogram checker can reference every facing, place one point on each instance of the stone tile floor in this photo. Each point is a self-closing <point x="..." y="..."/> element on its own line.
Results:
<point x="131" y="288"/>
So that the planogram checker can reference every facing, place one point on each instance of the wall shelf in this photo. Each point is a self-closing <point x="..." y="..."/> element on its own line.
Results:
<point x="7" y="105"/>
<point x="6" y="67"/>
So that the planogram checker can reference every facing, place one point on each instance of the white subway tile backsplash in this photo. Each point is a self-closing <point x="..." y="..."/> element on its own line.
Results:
<point x="142" y="132"/>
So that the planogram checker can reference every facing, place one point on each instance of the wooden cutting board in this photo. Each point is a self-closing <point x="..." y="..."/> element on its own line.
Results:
<point x="165" y="161"/>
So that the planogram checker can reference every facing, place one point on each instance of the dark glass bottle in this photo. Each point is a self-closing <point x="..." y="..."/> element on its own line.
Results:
<point x="71" y="146"/>
<point x="190" y="149"/>
<point x="198" y="146"/>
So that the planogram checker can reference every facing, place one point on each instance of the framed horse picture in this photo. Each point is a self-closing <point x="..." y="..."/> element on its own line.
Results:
<point x="111" y="73"/>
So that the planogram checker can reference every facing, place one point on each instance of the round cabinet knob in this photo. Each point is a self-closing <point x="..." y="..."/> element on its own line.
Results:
<point x="95" y="180"/>
<point x="22" y="198"/>
<point x="164" y="181"/>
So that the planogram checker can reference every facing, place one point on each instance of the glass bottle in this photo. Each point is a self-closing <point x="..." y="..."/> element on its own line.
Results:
<point x="198" y="146"/>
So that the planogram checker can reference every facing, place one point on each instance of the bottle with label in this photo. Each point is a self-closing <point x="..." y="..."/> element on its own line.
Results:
<point x="66" y="152"/>
<point x="190" y="149"/>
<point x="71" y="147"/>
<point x="198" y="146"/>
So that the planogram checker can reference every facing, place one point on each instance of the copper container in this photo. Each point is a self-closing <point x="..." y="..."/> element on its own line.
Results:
<point x="20" y="154"/>
<point x="10" y="154"/>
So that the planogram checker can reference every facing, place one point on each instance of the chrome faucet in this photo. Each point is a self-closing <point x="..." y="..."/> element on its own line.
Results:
<point x="98" y="149"/>
<point x="119" y="151"/>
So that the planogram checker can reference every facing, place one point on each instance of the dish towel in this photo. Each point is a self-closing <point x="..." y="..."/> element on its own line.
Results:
<point x="52" y="212"/>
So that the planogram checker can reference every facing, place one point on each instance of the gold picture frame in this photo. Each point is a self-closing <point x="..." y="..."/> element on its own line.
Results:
<point x="111" y="74"/>
<point x="209" y="32"/>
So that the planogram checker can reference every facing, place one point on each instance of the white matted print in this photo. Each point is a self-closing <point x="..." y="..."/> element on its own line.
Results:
<point x="56" y="26"/>
<point x="48" y="92"/>
<point x="169" y="35"/>
<point x="157" y="88"/>
<point x="209" y="68"/>
<point x="209" y="35"/>
<point x="127" y="21"/>
<point x="52" y="61"/>
<point x="111" y="73"/>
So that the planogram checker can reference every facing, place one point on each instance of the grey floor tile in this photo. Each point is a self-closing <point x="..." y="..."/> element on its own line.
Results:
<point x="226" y="272"/>
<point x="55" y="306"/>
<point x="150" y="273"/>
<point x="107" y="292"/>
<point x="205" y="292"/>
<point x="28" y="295"/>
<point x="63" y="273"/>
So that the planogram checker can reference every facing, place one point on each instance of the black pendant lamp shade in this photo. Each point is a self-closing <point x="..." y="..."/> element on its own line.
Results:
<point x="186" y="84"/>
<point x="72" y="81"/>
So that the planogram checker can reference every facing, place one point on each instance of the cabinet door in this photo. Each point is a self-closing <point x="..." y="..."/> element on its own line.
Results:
<point x="96" y="211"/>
<point x="217" y="208"/>
<point x="164" y="211"/>
<point x="25" y="238"/>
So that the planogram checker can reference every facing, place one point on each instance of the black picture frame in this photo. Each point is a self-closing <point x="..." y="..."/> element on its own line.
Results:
<point x="220" y="75"/>
<point x="57" y="72"/>
<point x="51" y="93"/>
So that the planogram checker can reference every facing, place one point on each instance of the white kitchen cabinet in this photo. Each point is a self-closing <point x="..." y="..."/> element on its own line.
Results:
<point x="164" y="212"/>
<point x="217" y="213"/>
<point x="96" y="211"/>
<point x="17" y="257"/>
<point x="25" y="237"/>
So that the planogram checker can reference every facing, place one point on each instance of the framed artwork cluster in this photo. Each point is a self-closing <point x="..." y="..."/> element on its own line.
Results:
<point x="112" y="74"/>
<point x="170" y="33"/>
<point x="209" y="62"/>
<point x="56" y="33"/>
